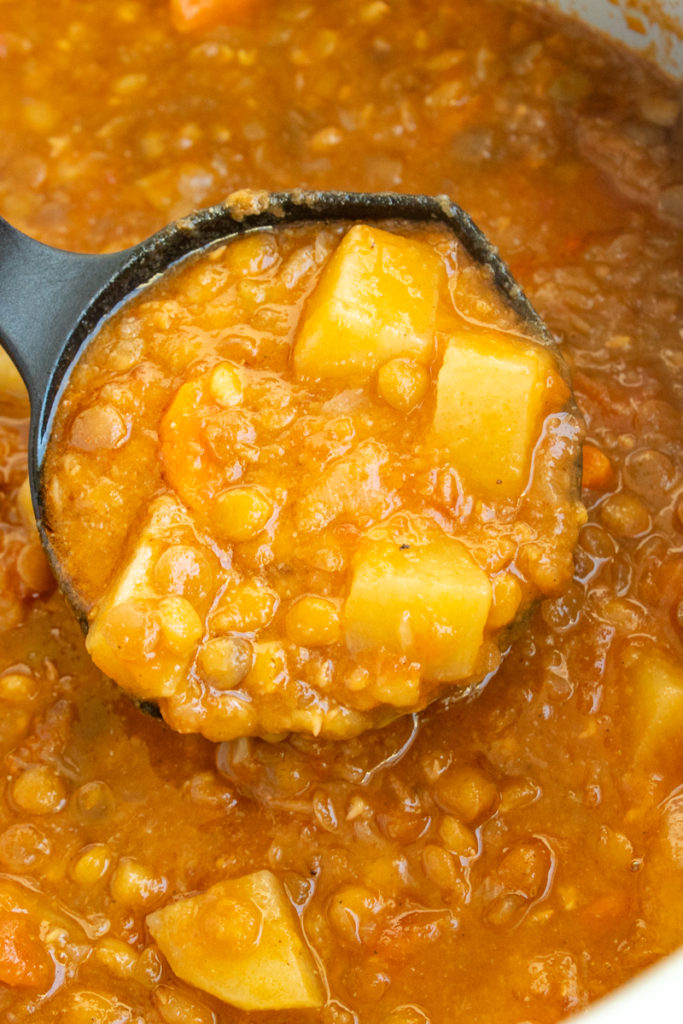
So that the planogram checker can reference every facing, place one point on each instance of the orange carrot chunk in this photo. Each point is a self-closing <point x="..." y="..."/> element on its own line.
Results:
<point x="189" y="465"/>
<point x="598" y="474"/>
<point x="194" y="15"/>
<point x="24" y="962"/>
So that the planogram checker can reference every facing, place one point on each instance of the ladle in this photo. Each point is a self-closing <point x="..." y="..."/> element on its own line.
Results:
<point x="53" y="301"/>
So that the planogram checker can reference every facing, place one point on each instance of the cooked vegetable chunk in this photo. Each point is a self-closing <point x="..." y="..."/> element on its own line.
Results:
<point x="491" y="394"/>
<point x="376" y="300"/>
<point x="240" y="941"/>
<point x="24" y="961"/>
<point x="194" y="15"/>
<point x="657" y="703"/>
<point x="192" y="466"/>
<point x="419" y="593"/>
<point x="147" y="627"/>
<point x="11" y="382"/>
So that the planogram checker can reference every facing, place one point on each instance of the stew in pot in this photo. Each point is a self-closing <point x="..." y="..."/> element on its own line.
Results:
<point x="504" y="859"/>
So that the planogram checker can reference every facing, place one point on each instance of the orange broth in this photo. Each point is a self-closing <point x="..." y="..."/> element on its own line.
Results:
<point x="504" y="860"/>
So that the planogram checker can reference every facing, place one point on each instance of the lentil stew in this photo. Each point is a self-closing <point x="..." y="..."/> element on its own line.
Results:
<point x="507" y="859"/>
<point x="311" y="480"/>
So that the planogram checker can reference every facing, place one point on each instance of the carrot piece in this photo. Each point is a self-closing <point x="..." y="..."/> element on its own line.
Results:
<point x="24" y="962"/>
<point x="190" y="463"/>
<point x="183" y="451"/>
<point x="194" y="15"/>
<point x="598" y="474"/>
<point x="607" y="907"/>
<point x="669" y="582"/>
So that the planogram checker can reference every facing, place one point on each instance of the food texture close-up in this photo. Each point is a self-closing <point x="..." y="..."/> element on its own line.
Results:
<point x="360" y="698"/>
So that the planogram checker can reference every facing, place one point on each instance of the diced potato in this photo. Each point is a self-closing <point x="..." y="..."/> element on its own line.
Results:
<point x="375" y="300"/>
<point x="240" y="941"/>
<point x="491" y="394"/>
<point x="147" y="628"/>
<point x="11" y="382"/>
<point x="657" y="681"/>
<point x="25" y="506"/>
<point x="424" y="598"/>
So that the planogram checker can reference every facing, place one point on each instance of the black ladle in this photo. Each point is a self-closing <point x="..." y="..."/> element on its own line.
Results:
<point x="53" y="301"/>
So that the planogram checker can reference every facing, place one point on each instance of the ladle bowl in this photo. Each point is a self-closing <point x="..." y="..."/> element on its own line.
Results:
<point x="53" y="301"/>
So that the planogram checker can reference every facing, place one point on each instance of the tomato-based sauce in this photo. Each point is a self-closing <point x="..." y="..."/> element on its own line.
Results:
<point x="510" y="858"/>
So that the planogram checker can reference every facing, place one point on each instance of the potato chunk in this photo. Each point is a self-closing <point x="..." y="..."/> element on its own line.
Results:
<point x="419" y="593"/>
<point x="490" y="396"/>
<point x="376" y="300"/>
<point x="240" y="941"/>
<point x="11" y="382"/>
<point x="657" y="681"/>
<point x="146" y="629"/>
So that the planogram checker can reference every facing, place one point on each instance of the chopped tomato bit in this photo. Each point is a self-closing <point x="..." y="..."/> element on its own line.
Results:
<point x="598" y="474"/>
<point x="24" y="962"/>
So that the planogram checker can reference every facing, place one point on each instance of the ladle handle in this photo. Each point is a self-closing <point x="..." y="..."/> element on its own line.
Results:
<point x="43" y="293"/>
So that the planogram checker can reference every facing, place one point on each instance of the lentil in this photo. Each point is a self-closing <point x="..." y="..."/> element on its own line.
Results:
<point x="38" y="790"/>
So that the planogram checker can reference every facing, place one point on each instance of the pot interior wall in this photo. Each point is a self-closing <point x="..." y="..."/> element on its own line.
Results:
<point x="651" y="27"/>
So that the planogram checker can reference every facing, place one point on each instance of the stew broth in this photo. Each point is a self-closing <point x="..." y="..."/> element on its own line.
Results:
<point x="508" y="859"/>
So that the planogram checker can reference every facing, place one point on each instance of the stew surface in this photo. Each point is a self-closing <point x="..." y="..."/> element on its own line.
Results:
<point x="503" y="860"/>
